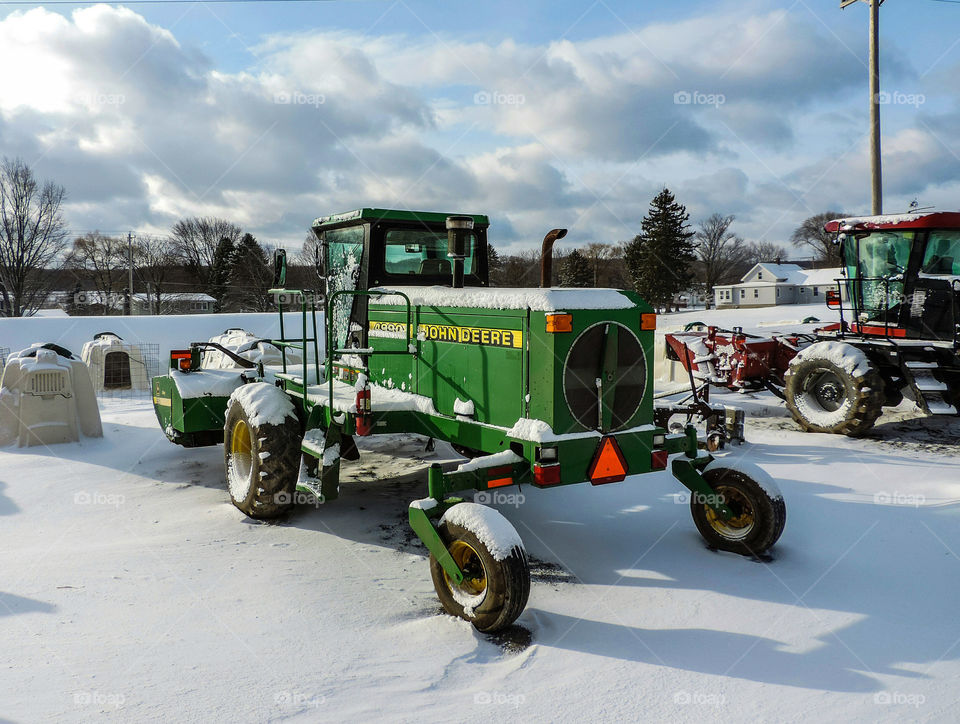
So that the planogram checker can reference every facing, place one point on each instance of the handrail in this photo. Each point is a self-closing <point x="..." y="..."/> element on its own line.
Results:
<point x="329" y="342"/>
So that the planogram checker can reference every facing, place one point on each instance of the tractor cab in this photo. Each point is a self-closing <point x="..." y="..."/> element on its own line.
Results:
<point x="370" y="248"/>
<point x="902" y="275"/>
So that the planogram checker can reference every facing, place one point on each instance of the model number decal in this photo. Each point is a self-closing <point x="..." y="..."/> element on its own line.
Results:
<point x="511" y="338"/>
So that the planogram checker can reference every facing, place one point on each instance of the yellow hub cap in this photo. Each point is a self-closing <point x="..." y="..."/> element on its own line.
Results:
<point x="740" y="525"/>
<point x="468" y="561"/>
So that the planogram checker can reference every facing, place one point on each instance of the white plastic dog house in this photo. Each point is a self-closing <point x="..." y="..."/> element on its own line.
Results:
<point x="46" y="397"/>
<point x="248" y="346"/>
<point x="115" y="364"/>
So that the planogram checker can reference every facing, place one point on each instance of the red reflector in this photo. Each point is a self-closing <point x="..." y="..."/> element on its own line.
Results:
<point x="608" y="465"/>
<point x="658" y="459"/>
<point x="180" y="354"/>
<point x="503" y="470"/>
<point x="499" y="482"/>
<point x="546" y="474"/>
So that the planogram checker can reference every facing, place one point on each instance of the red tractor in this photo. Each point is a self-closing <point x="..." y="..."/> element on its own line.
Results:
<point x="899" y="304"/>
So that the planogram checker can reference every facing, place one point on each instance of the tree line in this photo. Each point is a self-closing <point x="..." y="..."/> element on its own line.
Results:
<point x="668" y="257"/>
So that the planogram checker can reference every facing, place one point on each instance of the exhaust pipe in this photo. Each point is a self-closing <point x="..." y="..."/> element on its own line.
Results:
<point x="546" y="255"/>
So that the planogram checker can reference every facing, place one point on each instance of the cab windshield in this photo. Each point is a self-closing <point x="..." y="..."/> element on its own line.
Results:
<point x="421" y="252"/>
<point x="875" y="265"/>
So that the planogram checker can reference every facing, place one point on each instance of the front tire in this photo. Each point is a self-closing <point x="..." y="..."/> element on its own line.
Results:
<point x="832" y="387"/>
<point x="496" y="582"/>
<point x="261" y="449"/>
<point x="759" y="513"/>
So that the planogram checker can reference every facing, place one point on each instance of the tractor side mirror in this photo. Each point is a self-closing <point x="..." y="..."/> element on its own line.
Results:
<point x="833" y="299"/>
<point x="279" y="268"/>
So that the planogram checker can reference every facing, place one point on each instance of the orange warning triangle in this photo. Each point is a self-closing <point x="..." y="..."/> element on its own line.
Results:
<point x="608" y="465"/>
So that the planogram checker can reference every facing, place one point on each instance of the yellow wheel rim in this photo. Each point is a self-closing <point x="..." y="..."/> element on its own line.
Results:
<point x="742" y="522"/>
<point x="241" y="459"/>
<point x="468" y="561"/>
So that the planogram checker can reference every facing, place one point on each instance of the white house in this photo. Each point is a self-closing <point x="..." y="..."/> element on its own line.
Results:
<point x="768" y="284"/>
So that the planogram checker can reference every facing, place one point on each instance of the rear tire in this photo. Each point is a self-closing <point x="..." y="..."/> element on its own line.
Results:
<point x="759" y="516"/>
<point x="262" y="460"/>
<point x="493" y="592"/>
<point x="823" y="396"/>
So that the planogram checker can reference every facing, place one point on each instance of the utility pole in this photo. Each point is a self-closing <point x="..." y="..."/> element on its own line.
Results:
<point x="874" y="69"/>
<point x="130" y="281"/>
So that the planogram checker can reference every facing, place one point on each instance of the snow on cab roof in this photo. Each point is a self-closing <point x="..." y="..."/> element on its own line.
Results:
<point x="920" y="220"/>
<point x="538" y="300"/>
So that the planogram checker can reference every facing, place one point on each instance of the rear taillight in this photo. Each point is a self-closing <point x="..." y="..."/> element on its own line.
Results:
<point x="181" y="359"/>
<point x="546" y="474"/>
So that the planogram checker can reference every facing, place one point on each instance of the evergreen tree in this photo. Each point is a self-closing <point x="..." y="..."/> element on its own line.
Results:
<point x="575" y="271"/>
<point x="221" y="267"/>
<point x="250" y="276"/>
<point x="659" y="257"/>
<point x="494" y="266"/>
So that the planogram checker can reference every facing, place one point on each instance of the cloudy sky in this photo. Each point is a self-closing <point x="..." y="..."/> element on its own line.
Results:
<point x="540" y="114"/>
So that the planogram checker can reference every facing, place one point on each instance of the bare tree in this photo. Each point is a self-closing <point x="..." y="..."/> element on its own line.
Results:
<point x="811" y="233"/>
<point x="597" y="252"/>
<point x="154" y="257"/>
<point x="195" y="243"/>
<point x="104" y="260"/>
<point x="761" y="251"/>
<point x="33" y="234"/>
<point x="721" y="252"/>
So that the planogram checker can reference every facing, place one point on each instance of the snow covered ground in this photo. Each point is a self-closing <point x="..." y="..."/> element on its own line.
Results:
<point x="131" y="590"/>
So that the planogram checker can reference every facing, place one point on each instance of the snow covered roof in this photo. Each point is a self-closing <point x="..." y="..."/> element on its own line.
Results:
<point x="821" y="277"/>
<point x="922" y="220"/>
<point x="177" y="297"/>
<point x="777" y="272"/>
<point x="542" y="300"/>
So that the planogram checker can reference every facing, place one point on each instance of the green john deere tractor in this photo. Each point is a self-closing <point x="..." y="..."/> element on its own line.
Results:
<point x="543" y="387"/>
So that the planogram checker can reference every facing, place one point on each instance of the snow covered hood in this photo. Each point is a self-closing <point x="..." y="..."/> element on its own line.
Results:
<point x="540" y="300"/>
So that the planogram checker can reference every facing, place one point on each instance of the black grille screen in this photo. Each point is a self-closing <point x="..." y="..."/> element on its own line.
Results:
<point x="584" y="367"/>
